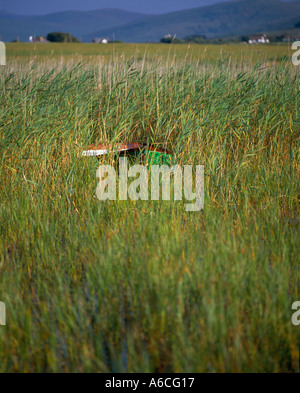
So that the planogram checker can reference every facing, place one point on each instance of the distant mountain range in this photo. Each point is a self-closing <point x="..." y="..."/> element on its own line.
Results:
<point x="219" y="20"/>
<point x="231" y="18"/>
<point x="78" y="23"/>
<point x="141" y="6"/>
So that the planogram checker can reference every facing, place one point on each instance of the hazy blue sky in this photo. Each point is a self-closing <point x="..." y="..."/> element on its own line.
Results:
<point x="148" y="6"/>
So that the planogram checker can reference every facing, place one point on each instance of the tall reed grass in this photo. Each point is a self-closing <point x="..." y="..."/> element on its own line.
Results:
<point x="146" y="286"/>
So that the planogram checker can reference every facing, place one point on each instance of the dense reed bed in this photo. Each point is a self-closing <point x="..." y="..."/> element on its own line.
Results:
<point x="146" y="286"/>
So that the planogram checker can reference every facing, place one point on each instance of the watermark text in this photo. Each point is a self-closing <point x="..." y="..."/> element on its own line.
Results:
<point x="296" y="55"/>
<point x="2" y="314"/>
<point x="138" y="189"/>
<point x="296" y="315"/>
<point x="2" y="53"/>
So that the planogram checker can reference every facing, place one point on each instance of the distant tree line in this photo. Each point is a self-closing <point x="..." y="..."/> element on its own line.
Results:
<point x="197" y="39"/>
<point x="61" y="37"/>
<point x="202" y="39"/>
<point x="194" y="39"/>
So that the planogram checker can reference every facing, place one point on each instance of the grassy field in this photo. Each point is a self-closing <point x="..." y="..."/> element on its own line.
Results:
<point x="95" y="53"/>
<point x="146" y="286"/>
